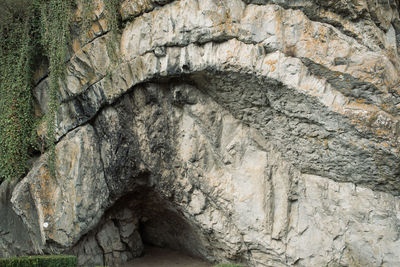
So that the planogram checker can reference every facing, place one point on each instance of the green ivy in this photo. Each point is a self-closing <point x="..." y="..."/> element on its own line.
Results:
<point x="55" y="33"/>
<point x="16" y="112"/>
<point x="26" y="27"/>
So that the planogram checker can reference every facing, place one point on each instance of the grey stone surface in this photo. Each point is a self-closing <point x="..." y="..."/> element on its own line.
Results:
<point x="108" y="238"/>
<point x="260" y="132"/>
<point x="222" y="189"/>
<point x="89" y="251"/>
<point x="231" y="181"/>
<point x="293" y="97"/>
<point x="14" y="237"/>
<point x="70" y="204"/>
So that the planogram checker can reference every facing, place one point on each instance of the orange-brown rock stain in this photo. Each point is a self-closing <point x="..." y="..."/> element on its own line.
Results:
<point x="76" y="45"/>
<point x="271" y="63"/>
<point x="45" y="193"/>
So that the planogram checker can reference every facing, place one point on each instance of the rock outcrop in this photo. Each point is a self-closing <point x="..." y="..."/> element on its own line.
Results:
<point x="265" y="133"/>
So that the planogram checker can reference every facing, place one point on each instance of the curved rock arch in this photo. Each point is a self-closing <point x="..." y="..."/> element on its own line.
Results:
<point x="274" y="146"/>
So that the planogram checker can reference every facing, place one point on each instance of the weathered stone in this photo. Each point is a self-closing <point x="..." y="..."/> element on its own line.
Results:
<point x="108" y="238"/>
<point x="226" y="178"/>
<point x="89" y="252"/>
<point x="262" y="132"/>
<point x="135" y="244"/>
<point x="14" y="237"/>
<point x="131" y="8"/>
<point x="344" y="225"/>
<point x="68" y="206"/>
<point x="41" y="94"/>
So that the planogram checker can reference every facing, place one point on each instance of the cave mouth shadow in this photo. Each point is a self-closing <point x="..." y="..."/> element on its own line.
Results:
<point x="142" y="218"/>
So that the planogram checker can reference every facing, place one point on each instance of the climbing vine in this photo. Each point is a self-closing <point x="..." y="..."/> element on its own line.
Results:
<point x="16" y="119"/>
<point x="55" y="33"/>
<point x="28" y="27"/>
<point x="32" y="29"/>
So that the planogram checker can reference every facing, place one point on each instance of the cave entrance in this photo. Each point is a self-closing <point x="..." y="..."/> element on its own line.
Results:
<point x="142" y="229"/>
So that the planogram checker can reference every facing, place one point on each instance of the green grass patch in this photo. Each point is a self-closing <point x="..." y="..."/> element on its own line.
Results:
<point x="40" y="261"/>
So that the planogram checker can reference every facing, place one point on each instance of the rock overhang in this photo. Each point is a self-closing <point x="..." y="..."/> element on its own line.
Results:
<point x="309" y="100"/>
<point x="335" y="119"/>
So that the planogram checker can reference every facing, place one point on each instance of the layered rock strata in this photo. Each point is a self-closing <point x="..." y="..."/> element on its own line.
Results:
<point x="265" y="133"/>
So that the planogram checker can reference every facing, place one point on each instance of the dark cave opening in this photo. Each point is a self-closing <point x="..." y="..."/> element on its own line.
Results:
<point x="140" y="222"/>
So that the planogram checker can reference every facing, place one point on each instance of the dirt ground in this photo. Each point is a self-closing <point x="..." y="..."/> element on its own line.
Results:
<point x="162" y="257"/>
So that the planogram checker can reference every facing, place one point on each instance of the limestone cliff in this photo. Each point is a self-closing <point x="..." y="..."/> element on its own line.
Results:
<point x="262" y="132"/>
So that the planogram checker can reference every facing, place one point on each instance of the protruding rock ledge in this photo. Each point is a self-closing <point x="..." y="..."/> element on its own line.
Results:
<point x="228" y="188"/>
<point x="257" y="128"/>
<point x="314" y="101"/>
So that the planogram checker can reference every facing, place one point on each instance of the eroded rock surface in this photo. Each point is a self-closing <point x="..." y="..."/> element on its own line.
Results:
<point x="265" y="133"/>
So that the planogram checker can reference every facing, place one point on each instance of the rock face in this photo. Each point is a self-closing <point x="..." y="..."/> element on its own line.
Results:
<point x="265" y="133"/>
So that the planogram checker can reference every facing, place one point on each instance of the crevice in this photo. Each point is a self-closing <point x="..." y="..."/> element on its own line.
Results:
<point x="94" y="39"/>
<point x="155" y="4"/>
<point x="98" y="140"/>
<point x="41" y="79"/>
